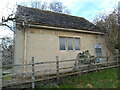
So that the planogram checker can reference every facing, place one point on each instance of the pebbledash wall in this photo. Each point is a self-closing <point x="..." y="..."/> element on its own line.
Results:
<point x="43" y="44"/>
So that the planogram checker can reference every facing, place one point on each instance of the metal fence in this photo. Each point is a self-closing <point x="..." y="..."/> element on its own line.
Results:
<point x="33" y="76"/>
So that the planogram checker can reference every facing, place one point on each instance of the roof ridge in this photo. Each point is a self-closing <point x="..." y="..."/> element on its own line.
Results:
<point x="51" y="12"/>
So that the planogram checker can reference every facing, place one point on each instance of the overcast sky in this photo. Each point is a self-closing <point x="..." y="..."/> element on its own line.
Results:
<point x="82" y="8"/>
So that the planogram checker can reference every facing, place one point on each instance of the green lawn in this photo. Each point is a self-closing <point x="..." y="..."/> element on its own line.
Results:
<point x="109" y="78"/>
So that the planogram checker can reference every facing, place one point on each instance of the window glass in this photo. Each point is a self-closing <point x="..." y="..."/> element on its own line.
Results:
<point x="77" y="43"/>
<point x="70" y="43"/>
<point x="98" y="51"/>
<point x="62" y="43"/>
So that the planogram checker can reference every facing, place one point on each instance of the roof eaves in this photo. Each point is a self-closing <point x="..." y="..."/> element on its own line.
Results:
<point x="66" y="29"/>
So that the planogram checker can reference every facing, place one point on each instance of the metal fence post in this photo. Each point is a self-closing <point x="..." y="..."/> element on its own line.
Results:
<point x="0" y="67"/>
<point x="57" y="68"/>
<point x="33" y="74"/>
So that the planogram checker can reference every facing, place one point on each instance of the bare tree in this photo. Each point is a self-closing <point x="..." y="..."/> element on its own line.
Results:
<point x="56" y="6"/>
<point x="44" y="6"/>
<point x="109" y="23"/>
<point x="7" y="50"/>
<point x="8" y="41"/>
<point x="52" y="6"/>
<point x="36" y="4"/>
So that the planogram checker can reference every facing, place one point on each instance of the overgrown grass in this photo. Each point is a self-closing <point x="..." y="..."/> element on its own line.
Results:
<point x="103" y="79"/>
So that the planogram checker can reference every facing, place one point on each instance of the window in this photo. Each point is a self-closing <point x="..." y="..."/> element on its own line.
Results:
<point x="98" y="50"/>
<point x="70" y="43"/>
<point x="62" y="41"/>
<point x="77" y="43"/>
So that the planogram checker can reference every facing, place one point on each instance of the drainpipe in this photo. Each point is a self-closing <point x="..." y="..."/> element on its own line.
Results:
<point x="25" y="50"/>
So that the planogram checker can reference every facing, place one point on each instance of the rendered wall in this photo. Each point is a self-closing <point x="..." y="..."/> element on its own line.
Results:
<point x="44" y="46"/>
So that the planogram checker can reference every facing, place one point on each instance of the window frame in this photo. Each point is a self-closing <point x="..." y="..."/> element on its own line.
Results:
<point x="66" y="43"/>
<point x="100" y="47"/>
<point x="74" y="43"/>
<point x="71" y="43"/>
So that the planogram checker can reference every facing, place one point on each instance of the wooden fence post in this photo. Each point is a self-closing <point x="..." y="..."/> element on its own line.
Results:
<point x="107" y="62"/>
<point x="33" y="74"/>
<point x="57" y="68"/>
<point x="95" y="63"/>
<point x="75" y="65"/>
<point x="107" y="57"/>
<point x="0" y="68"/>
<point x="118" y="60"/>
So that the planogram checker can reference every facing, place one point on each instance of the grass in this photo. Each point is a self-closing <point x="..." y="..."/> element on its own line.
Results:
<point x="103" y="79"/>
<point x="7" y="78"/>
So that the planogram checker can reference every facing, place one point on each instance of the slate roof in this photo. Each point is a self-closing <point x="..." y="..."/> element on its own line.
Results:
<point x="50" y="18"/>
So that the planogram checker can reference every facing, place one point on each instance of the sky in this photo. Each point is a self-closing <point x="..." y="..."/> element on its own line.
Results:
<point x="88" y="9"/>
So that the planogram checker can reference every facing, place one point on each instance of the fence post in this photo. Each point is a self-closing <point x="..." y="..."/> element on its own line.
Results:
<point x="75" y="65"/>
<point x="33" y="74"/>
<point x="118" y="60"/>
<point x="107" y="60"/>
<point x="0" y="67"/>
<point x="95" y="63"/>
<point x="57" y="68"/>
<point x="107" y="57"/>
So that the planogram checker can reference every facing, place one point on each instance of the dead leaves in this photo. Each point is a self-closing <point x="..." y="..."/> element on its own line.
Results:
<point x="89" y="85"/>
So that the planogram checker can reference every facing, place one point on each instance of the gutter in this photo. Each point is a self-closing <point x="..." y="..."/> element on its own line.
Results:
<point x="65" y="29"/>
